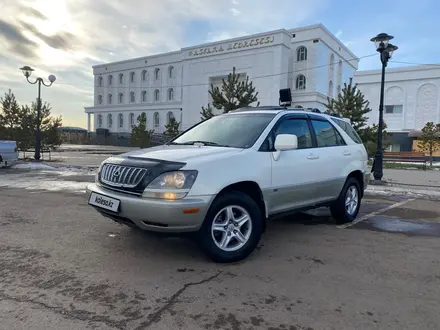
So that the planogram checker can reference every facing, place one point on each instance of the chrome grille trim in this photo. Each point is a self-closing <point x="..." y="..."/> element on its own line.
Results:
<point x="126" y="176"/>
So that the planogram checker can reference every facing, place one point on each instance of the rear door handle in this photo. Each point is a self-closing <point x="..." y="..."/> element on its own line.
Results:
<point x="347" y="153"/>
<point x="312" y="157"/>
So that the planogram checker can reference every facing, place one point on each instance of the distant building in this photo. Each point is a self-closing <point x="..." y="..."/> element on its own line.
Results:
<point x="309" y="60"/>
<point x="73" y="135"/>
<point x="412" y="99"/>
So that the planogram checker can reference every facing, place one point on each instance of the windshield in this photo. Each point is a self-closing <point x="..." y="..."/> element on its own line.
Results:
<point x="237" y="130"/>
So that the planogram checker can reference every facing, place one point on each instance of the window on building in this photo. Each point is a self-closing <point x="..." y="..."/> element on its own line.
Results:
<point x="121" y="120"/>
<point x="330" y="88"/>
<point x="393" y="148"/>
<point x="132" y="76"/>
<point x="144" y="96"/>
<point x="169" y="117"/>
<point x="340" y="69"/>
<point x="156" y="120"/>
<point x="156" y="95"/>
<point x="121" y="79"/>
<point x="99" y="121"/>
<point x="301" y="54"/>
<point x="100" y="81"/>
<point x="339" y="89"/>
<point x="301" y="82"/>
<point x="144" y="75"/>
<point x="110" y="80"/>
<point x="131" y="118"/>
<point x="326" y="134"/>
<point x="99" y="99"/>
<point x="393" y="109"/>
<point x="109" y="120"/>
<point x="171" y="72"/>
<point x="170" y="94"/>
<point x="132" y="97"/>
<point x="332" y="62"/>
<point x="121" y="98"/>
<point x="109" y="98"/>
<point x="298" y="127"/>
<point x="157" y="74"/>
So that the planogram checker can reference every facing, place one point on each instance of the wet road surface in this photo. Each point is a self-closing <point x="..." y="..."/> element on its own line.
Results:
<point x="63" y="266"/>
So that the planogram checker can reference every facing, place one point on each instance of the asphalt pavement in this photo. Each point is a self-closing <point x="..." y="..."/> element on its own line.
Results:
<point x="63" y="266"/>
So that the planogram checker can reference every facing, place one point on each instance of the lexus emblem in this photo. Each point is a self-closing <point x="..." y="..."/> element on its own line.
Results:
<point x="116" y="173"/>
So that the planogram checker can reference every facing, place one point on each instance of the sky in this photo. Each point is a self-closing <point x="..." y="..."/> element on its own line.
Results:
<point x="67" y="37"/>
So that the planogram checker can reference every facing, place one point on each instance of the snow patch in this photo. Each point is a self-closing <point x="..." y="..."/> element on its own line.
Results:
<point x="33" y="166"/>
<point x="415" y="163"/>
<point x="388" y="191"/>
<point x="42" y="182"/>
<point x="63" y="170"/>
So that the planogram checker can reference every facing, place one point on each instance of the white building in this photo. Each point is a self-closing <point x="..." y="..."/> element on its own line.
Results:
<point x="309" y="60"/>
<point x="412" y="99"/>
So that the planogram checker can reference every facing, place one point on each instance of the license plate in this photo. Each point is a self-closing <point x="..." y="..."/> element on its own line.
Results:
<point x="104" y="202"/>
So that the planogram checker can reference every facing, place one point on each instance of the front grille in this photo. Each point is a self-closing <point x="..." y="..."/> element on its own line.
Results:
<point x="121" y="176"/>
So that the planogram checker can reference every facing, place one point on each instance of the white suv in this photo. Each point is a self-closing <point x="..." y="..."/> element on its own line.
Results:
<point x="224" y="177"/>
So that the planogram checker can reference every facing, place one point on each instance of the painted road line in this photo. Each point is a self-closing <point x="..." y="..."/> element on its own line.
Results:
<point x="372" y="214"/>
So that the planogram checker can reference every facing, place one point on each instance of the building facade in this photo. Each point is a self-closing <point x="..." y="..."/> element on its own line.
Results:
<point x="412" y="98"/>
<point x="309" y="60"/>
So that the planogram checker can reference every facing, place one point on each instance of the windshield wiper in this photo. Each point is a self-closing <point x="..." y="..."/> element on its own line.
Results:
<point x="206" y="143"/>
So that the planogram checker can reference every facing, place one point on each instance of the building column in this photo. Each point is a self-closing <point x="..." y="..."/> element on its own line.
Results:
<point x="88" y="122"/>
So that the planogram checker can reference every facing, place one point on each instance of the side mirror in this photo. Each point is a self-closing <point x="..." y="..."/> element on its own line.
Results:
<point x="284" y="142"/>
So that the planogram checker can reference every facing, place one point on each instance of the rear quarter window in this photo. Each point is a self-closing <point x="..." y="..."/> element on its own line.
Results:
<point x="348" y="129"/>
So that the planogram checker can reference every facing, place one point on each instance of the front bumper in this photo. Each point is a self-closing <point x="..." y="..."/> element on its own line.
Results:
<point x="156" y="214"/>
<point x="366" y="179"/>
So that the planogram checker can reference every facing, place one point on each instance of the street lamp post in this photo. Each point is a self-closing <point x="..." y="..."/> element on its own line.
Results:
<point x="385" y="50"/>
<point x="27" y="71"/>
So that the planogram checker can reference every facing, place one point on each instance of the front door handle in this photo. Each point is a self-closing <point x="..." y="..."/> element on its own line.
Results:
<point x="312" y="157"/>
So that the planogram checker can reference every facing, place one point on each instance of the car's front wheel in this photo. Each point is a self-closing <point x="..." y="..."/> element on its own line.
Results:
<point x="232" y="227"/>
<point x="346" y="207"/>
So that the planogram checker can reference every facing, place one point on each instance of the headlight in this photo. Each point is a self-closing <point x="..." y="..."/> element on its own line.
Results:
<point x="171" y="185"/>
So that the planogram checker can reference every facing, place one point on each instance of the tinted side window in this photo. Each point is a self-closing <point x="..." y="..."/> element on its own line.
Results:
<point x="349" y="130"/>
<point x="326" y="135"/>
<point x="298" y="127"/>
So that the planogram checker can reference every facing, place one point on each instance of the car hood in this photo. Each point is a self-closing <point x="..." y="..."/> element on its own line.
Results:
<point x="180" y="153"/>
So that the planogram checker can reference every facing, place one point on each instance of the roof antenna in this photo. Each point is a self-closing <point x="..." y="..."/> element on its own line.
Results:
<point x="285" y="97"/>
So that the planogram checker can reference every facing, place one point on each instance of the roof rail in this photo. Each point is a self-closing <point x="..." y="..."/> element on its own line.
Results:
<point x="264" y="107"/>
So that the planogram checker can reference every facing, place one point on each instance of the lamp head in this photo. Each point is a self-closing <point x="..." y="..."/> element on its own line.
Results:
<point x="391" y="49"/>
<point x="381" y="40"/>
<point x="27" y="71"/>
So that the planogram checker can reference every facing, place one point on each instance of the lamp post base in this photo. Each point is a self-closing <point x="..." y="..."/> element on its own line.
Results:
<point x="375" y="182"/>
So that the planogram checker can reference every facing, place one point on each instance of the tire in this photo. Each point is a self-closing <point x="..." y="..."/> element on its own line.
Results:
<point x="341" y="212"/>
<point x="241" y="237"/>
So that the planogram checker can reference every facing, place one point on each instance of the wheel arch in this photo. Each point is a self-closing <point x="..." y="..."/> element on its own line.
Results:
<point x="359" y="176"/>
<point x="253" y="190"/>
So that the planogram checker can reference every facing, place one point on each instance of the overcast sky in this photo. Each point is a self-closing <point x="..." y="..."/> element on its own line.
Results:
<point x="67" y="37"/>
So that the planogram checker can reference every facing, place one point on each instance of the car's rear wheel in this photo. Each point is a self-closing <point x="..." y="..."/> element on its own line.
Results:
<point x="346" y="207"/>
<point x="232" y="227"/>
